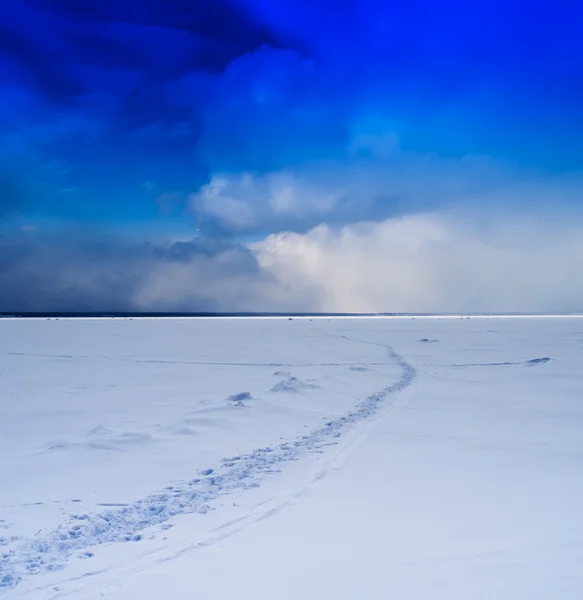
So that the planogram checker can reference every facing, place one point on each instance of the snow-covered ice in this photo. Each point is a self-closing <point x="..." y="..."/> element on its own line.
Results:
<point x="318" y="458"/>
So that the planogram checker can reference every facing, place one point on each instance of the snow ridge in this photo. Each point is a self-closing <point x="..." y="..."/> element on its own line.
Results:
<point x="50" y="551"/>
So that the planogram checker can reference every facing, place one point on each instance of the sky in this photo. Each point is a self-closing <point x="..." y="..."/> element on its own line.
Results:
<point x="298" y="155"/>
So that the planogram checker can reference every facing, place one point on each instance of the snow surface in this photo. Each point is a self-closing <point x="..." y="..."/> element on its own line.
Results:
<point x="272" y="458"/>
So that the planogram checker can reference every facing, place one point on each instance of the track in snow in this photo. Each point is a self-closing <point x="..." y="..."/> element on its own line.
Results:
<point x="50" y="551"/>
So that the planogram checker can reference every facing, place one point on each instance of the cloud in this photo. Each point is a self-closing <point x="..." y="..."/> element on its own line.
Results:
<point x="53" y="42"/>
<point x="252" y="204"/>
<point x="66" y="271"/>
<point x="434" y="263"/>
<point x="453" y="261"/>
<point x="187" y="93"/>
<point x="403" y="139"/>
<point x="375" y="180"/>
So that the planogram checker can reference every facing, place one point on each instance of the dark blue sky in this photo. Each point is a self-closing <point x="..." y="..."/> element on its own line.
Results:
<point x="242" y="118"/>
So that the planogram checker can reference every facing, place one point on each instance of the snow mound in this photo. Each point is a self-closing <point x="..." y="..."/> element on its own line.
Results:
<point x="294" y="385"/>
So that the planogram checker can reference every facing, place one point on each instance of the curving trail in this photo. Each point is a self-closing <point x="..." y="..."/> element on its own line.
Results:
<point x="50" y="551"/>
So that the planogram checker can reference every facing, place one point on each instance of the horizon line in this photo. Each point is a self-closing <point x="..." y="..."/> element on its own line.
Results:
<point x="54" y="315"/>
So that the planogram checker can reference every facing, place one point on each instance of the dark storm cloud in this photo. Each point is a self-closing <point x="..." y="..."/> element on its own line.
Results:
<point x="225" y="20"/>
<point x="69" y="272"/>
<point x="111" y="65"/>
<point x="47" y="70"/>
<point x="52" y="39"/>
<point x="176" y="94"/>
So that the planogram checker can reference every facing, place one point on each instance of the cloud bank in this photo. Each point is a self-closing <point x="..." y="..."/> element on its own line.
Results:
<point x="426" y="262"/>
<point x="414" y="157"/>
<point x="432" y="263"/>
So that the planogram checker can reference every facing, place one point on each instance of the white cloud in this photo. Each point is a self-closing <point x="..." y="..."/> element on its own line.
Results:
<point x="473" y="234"/>
<point x="433" y="263"/>
<point x="248" y="202"/>
<point x="410" y="233"/>
<point x="376" y="182"/>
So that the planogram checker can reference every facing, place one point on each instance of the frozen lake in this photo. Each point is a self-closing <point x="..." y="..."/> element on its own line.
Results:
<point x="264" y="458"/>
